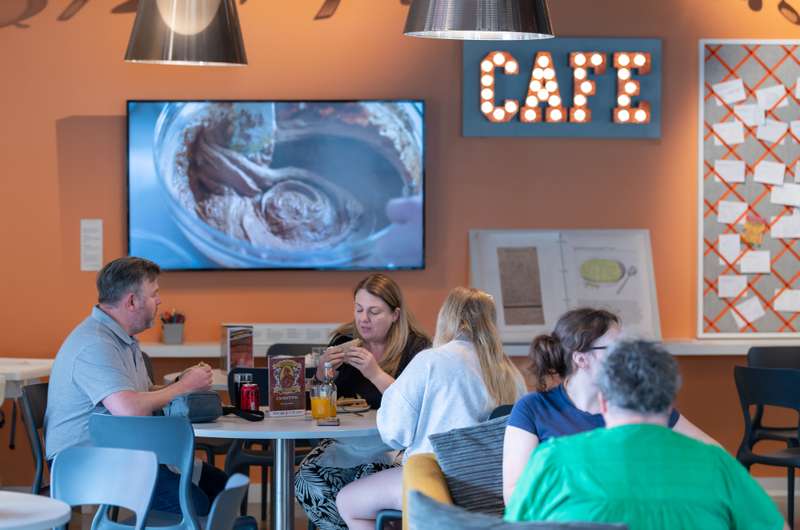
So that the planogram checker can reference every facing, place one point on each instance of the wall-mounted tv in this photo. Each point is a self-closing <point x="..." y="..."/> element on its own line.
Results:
<point x="277" y="184"/>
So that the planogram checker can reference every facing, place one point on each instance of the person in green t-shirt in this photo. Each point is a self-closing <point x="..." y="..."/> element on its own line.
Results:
<point x="636" y="470"/>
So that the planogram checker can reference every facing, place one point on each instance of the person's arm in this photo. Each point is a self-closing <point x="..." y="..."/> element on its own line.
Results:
<point x="518" y="445"/>
<point x="132" y="403"/>
<point x="691" y="430"/>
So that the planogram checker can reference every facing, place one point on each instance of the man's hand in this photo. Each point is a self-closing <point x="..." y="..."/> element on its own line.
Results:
<point x="197" y="378"/>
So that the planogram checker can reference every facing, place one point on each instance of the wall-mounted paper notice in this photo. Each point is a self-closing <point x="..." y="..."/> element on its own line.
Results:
<point x="730" y="91"/>
<point x="730" y="170"/>
<point x="787" y="227"/>
<point x="797" y="172"/>
<point x="91" y="244"/>
<point x="730" y="132"/>
<point x="788" y="195"/>
<point x="728" y="246"/>
<point x="750" y="114"/>
<point x="769" y="172"/>
<point x="729" y="212"/>
<point x="750" y="309"/>
<point x="795" y="125"/>
<point x="768" y="97"/>
<point x="771" y="131"/>
<point x="797" y="88"/>
<point x="755" y="262"/>
<point x="788" y="300"/>
<point x="731" y="285"/>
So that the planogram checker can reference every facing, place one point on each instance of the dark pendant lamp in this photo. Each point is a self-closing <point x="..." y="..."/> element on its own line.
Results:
<point x="187" y="32"/>
<point x="479" y="19"/>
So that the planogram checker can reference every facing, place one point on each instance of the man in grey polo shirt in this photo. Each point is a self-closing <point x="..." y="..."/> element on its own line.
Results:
<point x="100" y="368"/>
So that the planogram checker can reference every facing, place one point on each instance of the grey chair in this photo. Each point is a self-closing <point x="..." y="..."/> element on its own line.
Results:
<point x="223" y="512"/>
<point x="33" y="403"/>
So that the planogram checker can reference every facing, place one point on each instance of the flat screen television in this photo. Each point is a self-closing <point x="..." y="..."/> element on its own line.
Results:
<point x="277" y="184"/>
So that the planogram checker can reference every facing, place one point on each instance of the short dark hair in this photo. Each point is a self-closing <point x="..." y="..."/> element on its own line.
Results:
<point x="639" y="376"/>
<point x="124" y="275"/>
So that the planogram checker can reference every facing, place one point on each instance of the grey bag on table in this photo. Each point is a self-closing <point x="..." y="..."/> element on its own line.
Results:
<point x="199" y="407"/>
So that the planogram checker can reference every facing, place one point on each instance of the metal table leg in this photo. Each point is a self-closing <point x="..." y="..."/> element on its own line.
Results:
<point x="282" y="517"/>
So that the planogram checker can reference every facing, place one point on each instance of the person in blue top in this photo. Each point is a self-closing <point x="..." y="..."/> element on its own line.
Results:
<point x="566" y="365"/>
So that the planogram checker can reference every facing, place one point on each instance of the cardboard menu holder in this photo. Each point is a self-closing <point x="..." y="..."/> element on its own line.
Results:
<point x="287" y="385"/>
<point x="237" y="347"/>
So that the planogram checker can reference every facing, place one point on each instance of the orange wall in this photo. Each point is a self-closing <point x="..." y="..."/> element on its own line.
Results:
<point x="62" y="152"/>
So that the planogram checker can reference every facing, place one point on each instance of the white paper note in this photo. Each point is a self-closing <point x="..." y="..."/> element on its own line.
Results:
<point x="731" y="285"/>
<point x="730" y="132"/>
<point x="795" y="125"/>
<point x="788" y="300"/>
<point x="750" y="114"/>
<point x="787" y="227"/>
<point x="730" y="91"/>
<point x="729" y="212"/>
<point x="797" y="88"/>
<point x="91" y="244"/>
<point x="750" y="309"/>
<point x="730" y="170"/>
<point x="797" y="172"/>
<point x="728" y="246"/>
<point x="769" y="172"/>
<point x="771" y="131"/>
<point x="767" y="97"/>
<point x="755" y="262"/>
<point x="787" y="195"/>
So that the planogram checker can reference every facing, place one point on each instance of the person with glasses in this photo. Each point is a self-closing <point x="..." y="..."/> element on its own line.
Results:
<point x="566" y="364"/>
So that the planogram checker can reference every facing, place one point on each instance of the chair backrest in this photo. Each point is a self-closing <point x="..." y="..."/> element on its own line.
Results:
<point x="284" y="348"/>
<point x="259" y="377"/>
<point x="500" y="411"/>
<point x="226" y="506"/>
<point x="774" y="357"/>
<point x="148" y="365"/>
<point x="104" y="475"/>
<point x="776" y="387"/>
<point x="171" y="438"/>
<point x="34" y="404"/>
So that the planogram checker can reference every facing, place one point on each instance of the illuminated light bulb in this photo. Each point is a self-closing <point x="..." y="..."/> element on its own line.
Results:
<point x="624" y="100"/>
<point x="586" y="86"/>
<point x="623" y="73"/>
<point x="554" y="101"/>
<point x="487" y="80"/>
<point x="487" y="66"/>
<point x="597" y="59"/>
<point x="487" y="107"/>
<point x="499" y="114"/>
<point x="530" y="114"/>
<point x="624" y="59"/>
<point x="549" y="73"/>
<point x="640" y="115"/>
<point x="580" y="73"/>
<point x="555" y="115"/>
<point x="580" y="59"/>
<point x="538" y="73"/>
<point x="511" y="107"/>
<point x="551" y="86"/>
<point x="498" y="59"/>
<point x="511" y="67"/>
<point x="543" y="61"/>
<point x="580" y="115"/>
<point x="630" y="87"/>
<point x="535" y="86"/>
<point x="531" y="101"/>
<point x="579" y="100"/>
<point x="639" y="59"/>
<point x="623" y="115"/>
<point x="542" y="94"/>
<point x="487" y="93"/>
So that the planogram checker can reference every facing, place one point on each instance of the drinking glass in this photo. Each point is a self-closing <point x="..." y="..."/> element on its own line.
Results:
<point x="323" y="402"/>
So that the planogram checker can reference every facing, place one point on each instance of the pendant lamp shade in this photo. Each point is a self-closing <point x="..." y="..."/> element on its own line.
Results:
<point x="479" y="19"/>
<point x="187" y="32"/>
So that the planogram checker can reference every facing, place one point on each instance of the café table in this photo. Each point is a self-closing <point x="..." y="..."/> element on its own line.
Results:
<point x="284" y="431"/>
<point x="18" y="372"/>
<point x="25" y="511"/>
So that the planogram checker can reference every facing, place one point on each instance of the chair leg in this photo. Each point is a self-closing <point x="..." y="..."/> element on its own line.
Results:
<point x="263" y="493"/>
<point x="790" y="497"/>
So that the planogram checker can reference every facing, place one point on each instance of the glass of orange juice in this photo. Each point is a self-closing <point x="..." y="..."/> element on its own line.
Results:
<point x="323" y="402"/>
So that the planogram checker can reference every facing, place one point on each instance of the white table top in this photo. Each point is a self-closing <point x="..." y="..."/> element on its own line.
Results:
<point x="24" y="511"/>
<point x="296" y="428"/>
<point x="19" y="369"/>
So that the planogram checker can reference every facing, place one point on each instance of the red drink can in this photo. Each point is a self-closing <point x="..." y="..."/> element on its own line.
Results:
<point x="248" y="398"/>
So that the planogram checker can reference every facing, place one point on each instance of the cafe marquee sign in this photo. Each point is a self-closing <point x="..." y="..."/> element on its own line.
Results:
<point x="603" y="88"/>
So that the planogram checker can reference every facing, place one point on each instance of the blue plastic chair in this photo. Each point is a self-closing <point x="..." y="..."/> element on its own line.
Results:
<point x="225" y="509"/>
<point x="172" y="440"/>
<point x="103" y="475"/>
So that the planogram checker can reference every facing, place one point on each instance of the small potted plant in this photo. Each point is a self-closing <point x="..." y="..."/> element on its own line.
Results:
<point x="172" y="327"/>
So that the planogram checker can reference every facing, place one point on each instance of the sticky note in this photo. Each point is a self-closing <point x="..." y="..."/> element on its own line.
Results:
<point x="730" y="91"/>
<point x="787" y="195"/>
<point x="730" y="170"/>
<point x="750" y="309"/>
<point x="787" y="300"/>
<point x="785" y="227"/>
<point x="750" y="114"/>
<point x="795" y="125"/>
<point x="728" y="246"/>
<point x="769" y="172"/>
<point x="768" y="97"/>
<point x="771" y="131"/>
<point x="731" y="285"/>
<point x="730" y="132"/>
<point x="755" y="262"/>
<point x="729" y="212"/>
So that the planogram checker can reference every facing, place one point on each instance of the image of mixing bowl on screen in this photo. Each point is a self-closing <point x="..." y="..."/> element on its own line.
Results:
<point x="294" y="184"/>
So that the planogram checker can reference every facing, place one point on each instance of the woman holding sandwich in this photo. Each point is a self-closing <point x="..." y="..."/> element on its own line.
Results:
<point x="369" y="353"/>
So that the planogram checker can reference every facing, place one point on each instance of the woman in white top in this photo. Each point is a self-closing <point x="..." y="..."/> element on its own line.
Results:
<point x="457" y="383"/>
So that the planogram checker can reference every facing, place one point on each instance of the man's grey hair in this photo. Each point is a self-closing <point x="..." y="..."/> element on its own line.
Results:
<point x="124" y="275"/>
<point x="639" y="376"/>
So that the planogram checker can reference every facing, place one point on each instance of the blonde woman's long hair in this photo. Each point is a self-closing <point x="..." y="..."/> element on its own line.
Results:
<point x="471" y="314"/>
<point x="386" y="289"/>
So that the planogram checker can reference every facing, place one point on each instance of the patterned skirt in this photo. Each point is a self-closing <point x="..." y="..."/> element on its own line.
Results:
<point x="316" y="486"/>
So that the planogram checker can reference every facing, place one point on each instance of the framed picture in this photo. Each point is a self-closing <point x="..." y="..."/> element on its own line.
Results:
<point x="537" y="275"/>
